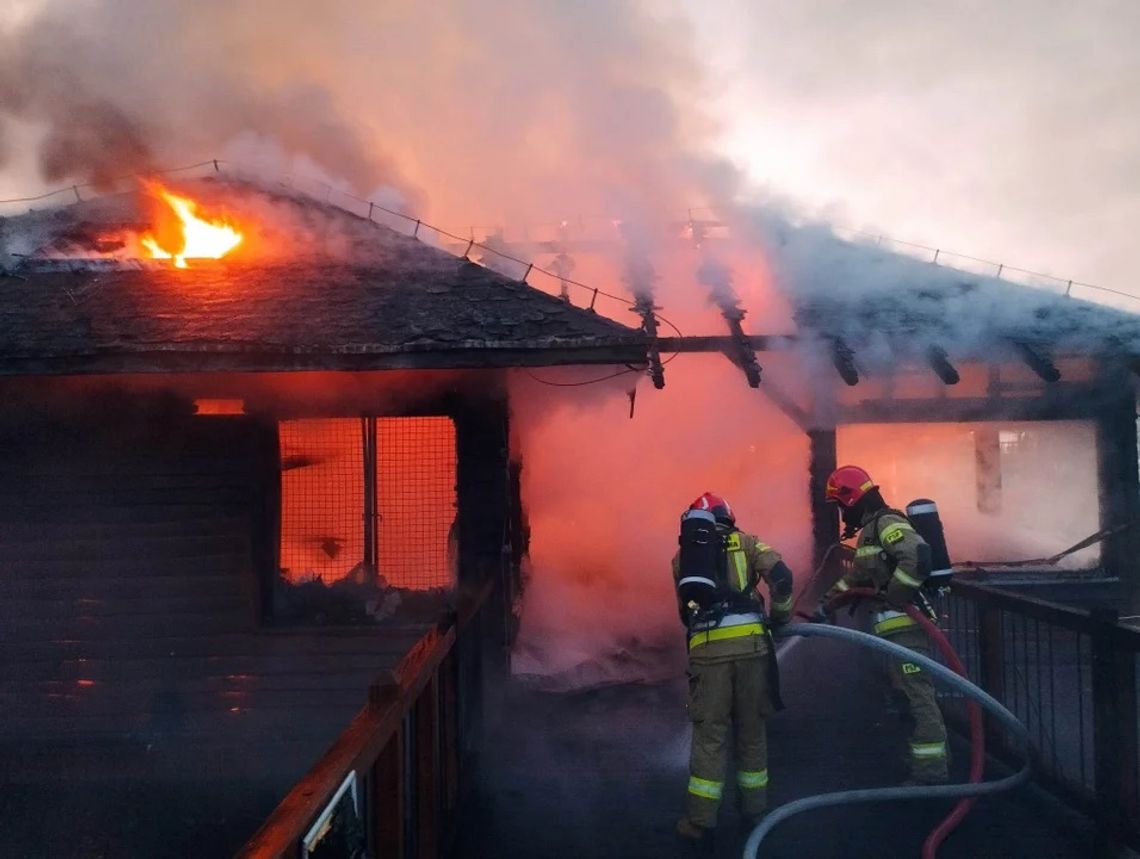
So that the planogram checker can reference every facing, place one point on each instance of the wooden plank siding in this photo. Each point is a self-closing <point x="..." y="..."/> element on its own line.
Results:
<point x="129" y="606"/>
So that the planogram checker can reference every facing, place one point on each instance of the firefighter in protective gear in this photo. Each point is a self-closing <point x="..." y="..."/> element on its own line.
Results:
<point x="731" y="671"/>
<point x="892" y="559"/>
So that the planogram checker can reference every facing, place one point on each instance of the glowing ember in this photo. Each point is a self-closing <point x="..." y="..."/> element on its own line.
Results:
<point x="194" y="237"/>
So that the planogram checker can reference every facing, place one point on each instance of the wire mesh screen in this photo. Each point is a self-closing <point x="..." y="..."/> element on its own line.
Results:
<point x="322" y="498"/>
<point x="415" y="485"/>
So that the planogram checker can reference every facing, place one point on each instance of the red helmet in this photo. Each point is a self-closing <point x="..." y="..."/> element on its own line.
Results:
<point x="720" y="509"/>
<point x="847" y="484"/>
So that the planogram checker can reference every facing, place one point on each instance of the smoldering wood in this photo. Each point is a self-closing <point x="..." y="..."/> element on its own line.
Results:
<point x="843" y="359"/>
<point x="940" y="363"/>
<point x="1037" y="360"/>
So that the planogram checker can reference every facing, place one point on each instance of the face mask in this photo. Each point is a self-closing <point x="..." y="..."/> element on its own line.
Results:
<point x="851" y="522"/>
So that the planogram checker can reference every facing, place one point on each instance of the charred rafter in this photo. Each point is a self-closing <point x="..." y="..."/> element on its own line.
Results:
<point x="940" y="363"/>
<point x="740" y="350"/>
<point x="644" y="307"/>
<point x="1037" y="361"/>
<point x="843" y="357"/>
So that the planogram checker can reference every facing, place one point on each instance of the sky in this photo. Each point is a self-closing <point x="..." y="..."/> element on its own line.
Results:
<point x="1009" y="131"/>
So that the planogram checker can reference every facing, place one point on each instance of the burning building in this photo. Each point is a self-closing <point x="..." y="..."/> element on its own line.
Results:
<point x="237" y="489"/>
<point x="255" y="445"/>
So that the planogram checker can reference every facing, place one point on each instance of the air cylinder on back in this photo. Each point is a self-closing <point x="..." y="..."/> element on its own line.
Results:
<point x="700" y="556"/>
<point x="923" y="514"/>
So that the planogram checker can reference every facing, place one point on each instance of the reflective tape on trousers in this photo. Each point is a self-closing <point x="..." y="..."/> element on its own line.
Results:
<point x="752" y="779"/>
<point x="928" y="750"/>
<point x="696" y="580"/>
<point x="702" y="787"/>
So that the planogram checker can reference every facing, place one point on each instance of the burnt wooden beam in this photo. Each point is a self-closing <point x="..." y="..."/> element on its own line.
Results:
<point x="1119" y="484"/>
<point x="784" y="402"/>
<point x="939" y="362"/>
<point x="843" y="358"/>
<point x="1064" y="402"/>
<point x="190" y="360"/>
<point x="744" y="355"/>
<point x="824" y="517"/>
<point x="1037" y="361"/>
<point x="645" y="309"/>
<point x="722" y="342"/>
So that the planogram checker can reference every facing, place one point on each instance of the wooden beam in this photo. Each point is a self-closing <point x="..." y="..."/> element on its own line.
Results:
<point x="843" y="358"/>
<point x="1037" y="361"/>
<point x="1119" y="484"/>
<point x="784" y="402"/>
<point x="1075" y="402"/>
<point x="824" y="516"/>
<point x="195" y="361"/>
<point x="940" y="363"/>
<point x="721" y="342"/>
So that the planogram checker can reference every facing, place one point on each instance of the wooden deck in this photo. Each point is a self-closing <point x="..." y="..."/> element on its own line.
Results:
<point x="203" y="772"/>
<point x="602" y="774"/>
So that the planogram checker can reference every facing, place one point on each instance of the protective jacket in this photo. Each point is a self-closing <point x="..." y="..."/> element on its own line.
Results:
<point x="732" y="688"/>
<point x="738" y="627"/>
<point x="894" y="560"/>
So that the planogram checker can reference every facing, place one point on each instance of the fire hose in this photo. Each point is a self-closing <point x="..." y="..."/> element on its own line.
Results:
<point x="968" y="791"/>
<point x="974" y="716"/>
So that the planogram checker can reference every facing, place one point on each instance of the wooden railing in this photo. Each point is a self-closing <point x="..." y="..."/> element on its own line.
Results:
<point x="390" y="783"/>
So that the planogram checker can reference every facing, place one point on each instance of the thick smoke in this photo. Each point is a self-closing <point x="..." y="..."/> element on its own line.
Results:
<point x="478" y="117"/>
<point x="537" y="107"/>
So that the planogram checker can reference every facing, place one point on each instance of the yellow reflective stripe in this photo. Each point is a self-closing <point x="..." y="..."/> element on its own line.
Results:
<point x="893" y="623"/>
<point x="721" y="634"/>
<point x="732" y="542"/>
<point x="908" y="580"/>
<point x="865" y="551"/>
<point x="741" y="569"/>
<point x="868" y="485"/>
<point x="782" y="605"/>
<point x="842" y="586"/>
<point x="763" y="547"/>
<point x="752" y="779"/>
<point x="704" y="788"/>
<point x="891" y="530"/>
<point x="928" y="750"/>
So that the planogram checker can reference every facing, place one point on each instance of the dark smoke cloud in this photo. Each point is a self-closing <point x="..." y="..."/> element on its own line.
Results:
<point x="529" y="108"/>
<point x="120" y="88"/>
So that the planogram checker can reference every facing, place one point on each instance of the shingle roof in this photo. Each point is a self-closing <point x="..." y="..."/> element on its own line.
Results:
<point x="881" y="303"/>
<point x="403" y="304"/>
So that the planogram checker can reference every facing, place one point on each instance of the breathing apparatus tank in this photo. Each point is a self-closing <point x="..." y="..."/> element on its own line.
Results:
<point x="702" y="560"/>
<point x="923" y="515"/>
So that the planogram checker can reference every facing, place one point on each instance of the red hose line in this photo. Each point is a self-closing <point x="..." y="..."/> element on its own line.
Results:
<point x="977" y="737"/>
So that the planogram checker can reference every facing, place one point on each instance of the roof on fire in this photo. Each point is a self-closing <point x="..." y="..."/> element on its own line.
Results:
<point x="403" y="304"/>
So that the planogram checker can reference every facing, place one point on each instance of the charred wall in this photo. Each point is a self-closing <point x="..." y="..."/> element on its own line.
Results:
<point x="136" y="543"/>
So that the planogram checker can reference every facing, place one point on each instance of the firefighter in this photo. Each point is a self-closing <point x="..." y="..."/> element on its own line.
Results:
<point x="732" y="682"/>
<point x="892" y="559"/>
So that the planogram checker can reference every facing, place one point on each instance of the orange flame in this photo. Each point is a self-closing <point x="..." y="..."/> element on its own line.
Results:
<point x="200" y="238"/>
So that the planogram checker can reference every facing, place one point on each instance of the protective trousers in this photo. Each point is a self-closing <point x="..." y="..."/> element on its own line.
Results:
<point x="927" y="746"/>
<point x="724" y="695"/>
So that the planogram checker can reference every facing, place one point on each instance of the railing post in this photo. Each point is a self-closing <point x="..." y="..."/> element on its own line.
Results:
<point x="1114" y="733"/>
<point x="427" y="771"/>
<point x="388" y="799"/>
<point x="450" y="735"/>
<point x="991" y="664"/>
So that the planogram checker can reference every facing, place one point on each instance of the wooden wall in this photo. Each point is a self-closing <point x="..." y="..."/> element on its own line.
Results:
<point x="129" y="604"/>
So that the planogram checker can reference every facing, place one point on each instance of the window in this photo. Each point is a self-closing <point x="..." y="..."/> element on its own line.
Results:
<point x="367" y="515"/>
